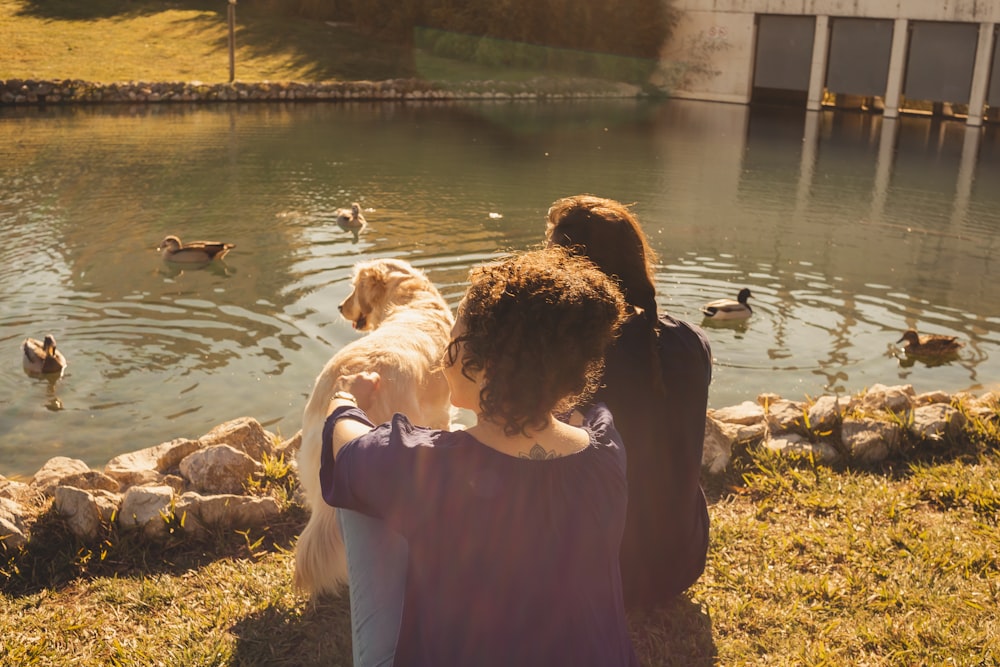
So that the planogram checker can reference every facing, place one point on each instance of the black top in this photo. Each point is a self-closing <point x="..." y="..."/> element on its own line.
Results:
<point x="663" y="428"/>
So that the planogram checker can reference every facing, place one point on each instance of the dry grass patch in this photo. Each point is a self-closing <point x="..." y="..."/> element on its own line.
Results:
<point x="808" y="565"/>
<point x="106" y="41"/>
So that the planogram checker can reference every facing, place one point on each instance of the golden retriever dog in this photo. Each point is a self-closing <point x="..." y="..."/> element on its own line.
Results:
<point x="409" y="325"/>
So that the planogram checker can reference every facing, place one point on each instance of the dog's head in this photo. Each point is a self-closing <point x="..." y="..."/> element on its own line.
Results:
<point x="380" y="284"/>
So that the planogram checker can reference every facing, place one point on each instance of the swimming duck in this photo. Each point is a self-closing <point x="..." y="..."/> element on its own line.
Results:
<point x="351" y="218"/>
<point x="42" y="357"/>
<point x="727" y="309"/>
<point x="929" y="345"/>
<point x="197" y="251"/>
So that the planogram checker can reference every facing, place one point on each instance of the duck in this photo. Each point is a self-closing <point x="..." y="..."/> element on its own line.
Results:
<point x="931" y="345"/>
<point x="351" y="218"/>
<point x="727" y="309"/>
<point x="42" y="357"/>
<point x="197" y="251"/>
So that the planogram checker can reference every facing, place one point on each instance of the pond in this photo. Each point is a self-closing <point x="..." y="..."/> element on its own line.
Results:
<point x="847" y="227"/>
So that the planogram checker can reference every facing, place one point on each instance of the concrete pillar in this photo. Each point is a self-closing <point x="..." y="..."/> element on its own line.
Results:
<point x="981" y="74"/>
<point x="807" y="165"/>
<point x="884" y="165"/>
<point x="817" y="76"/>
<point x="966" y="170"/>
<point x="897" y="67"/>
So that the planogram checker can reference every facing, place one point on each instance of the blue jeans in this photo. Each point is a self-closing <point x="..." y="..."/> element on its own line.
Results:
<point x="376" y="571"/>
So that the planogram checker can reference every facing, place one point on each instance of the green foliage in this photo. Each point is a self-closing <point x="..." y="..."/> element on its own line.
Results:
<point x="630" y="28"/>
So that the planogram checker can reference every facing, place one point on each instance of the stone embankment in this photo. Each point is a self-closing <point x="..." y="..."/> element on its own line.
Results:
<point x="190" y="486"/>
<point x="66" y="91"/>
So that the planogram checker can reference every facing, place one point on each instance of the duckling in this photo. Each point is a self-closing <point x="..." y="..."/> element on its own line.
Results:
<point x="197" y="251"/>
<point x="42" y="357"/>
<point x="351" y="218"/>
<point x="727" y="309"/>
<point x="931" y="345"/>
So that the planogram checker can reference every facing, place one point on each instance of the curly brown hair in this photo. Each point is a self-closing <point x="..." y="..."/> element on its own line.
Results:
<point x="537" y="325"/>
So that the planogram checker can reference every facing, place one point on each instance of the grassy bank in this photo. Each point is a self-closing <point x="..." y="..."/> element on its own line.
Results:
<point x="107" y="41"/>
<point x="121" y="40"/>
<point x="808" y="565"/>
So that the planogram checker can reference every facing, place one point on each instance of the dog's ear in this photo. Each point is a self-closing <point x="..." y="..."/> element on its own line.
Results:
<point x="376" y="275"/>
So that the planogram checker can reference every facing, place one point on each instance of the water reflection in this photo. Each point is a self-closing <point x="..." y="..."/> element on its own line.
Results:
<point x="848" y="228"/>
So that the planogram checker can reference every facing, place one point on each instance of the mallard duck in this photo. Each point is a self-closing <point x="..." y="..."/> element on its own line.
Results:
<point x="727" y="309"/>
<point x="931" y="345"/>
<point x="197" y="251"/>
<point x="42" y="357"/>
<point x="351" y="218"/>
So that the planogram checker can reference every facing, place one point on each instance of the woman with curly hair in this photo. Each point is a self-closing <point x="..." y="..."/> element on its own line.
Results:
<point x="513" y="525"/>
<point x="655" y="382"/>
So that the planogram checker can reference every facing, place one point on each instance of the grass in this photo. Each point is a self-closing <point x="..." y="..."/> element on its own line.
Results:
<point x="106" y="41"/>
<point x="808" y="565"/>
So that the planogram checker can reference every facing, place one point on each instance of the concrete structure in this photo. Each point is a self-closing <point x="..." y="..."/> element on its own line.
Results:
<point x="894" y="52"/>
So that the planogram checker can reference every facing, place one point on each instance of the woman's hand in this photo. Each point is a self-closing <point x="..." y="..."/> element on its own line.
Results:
<point x="363" y="386"/>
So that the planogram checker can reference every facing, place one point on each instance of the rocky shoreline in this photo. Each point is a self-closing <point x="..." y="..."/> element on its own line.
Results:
<point x="32" y="92"/>
<point x="187" y="487"/>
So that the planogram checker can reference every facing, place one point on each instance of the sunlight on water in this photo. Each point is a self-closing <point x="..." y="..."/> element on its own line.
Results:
<point x="847" y="228"/>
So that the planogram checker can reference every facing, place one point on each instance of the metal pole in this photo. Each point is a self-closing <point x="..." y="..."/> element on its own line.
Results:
<point x="232" y="40"/>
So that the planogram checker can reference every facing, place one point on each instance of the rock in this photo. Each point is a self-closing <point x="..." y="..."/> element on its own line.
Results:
<point x="13" y="532"/>
<point x="827" y="412"/>
<point x="85" y="511"/>
<point x="784" y="416"/>
<point x="932" y="397"/>
<point x="245" y="434"/>
<point x="233" y="512"/>
<point x="793" y="443"/>
<point x="289" y="447"/>
<point x="767" y="398"/>
<point x="718" y="449"/>
<point x="745" y="413"/>
<point x="869" y="440"/>
<point x="751" y="433"/>
<point x="936" y="421"/>
<point x="149" y="465"/>
<point x="897" y="399"/>
<point x="146" y="508"/>
<point x="218" y="469"/>
<point x="50" y="475"/>
<point x="14" y="490"/>
<point x="91" y="480"/>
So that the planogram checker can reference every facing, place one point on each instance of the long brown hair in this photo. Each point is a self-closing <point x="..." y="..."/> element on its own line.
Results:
<point x="607" y="232"/>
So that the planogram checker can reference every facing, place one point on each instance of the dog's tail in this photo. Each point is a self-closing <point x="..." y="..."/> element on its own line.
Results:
<point x="320" y="557"/>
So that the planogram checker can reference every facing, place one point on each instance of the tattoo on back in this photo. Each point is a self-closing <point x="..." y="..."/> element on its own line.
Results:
<point x="538" y="453"/>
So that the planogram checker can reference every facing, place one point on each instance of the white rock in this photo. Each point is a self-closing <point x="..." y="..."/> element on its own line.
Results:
<point x="245" y="434"/>
<point x="718" y="448"/>
<point x="897" y="399"/>
<point x="790" y="443"/>
<point x="869" y="440"/>
<point x="84" y="510"/>
<point x="936" y="421"/>
<point x="148" y="465"/>
<point x="218" y="469"/>
<point x="146" y="508"/>
<point x="13" y="532"/>
<point x="227" y="511"/>
<point x="50" y="475"/>
<point x="746" y="413"/>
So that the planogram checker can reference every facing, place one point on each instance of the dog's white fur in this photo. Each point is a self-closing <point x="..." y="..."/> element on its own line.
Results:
<point x="409" y="325"/>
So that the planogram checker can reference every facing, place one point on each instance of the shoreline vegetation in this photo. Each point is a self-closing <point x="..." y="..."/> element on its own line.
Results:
<point x="819" y="554"/>
<point x="830" y="544"/>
